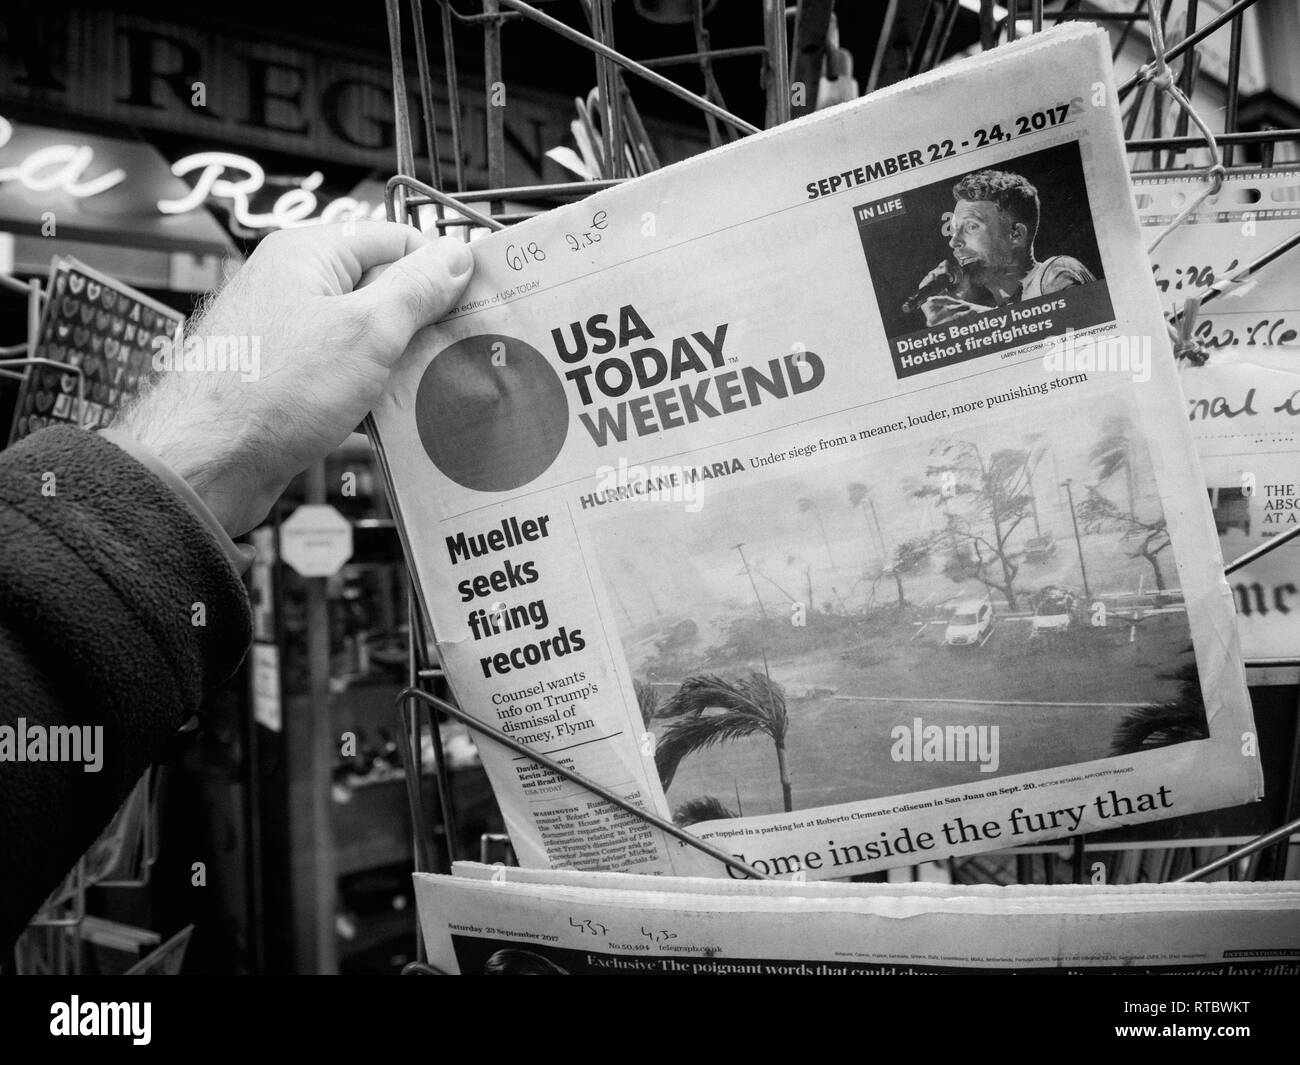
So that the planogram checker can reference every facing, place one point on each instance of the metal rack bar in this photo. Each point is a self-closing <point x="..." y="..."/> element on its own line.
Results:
<point x="686" y="58"/>
<point x="988" y="26"/>
<point x="640" y="70"/>
<point x="401" y="112"/>
<point x="393" y="193"/>
<point x="1259" y="551"/>
<point x="1234" y="77"/>
<point x="453" y="92"/>
<point x="559" y="190"/>
<point x="778" y="63"/>
<point x="1266" y="136"/>
<point x="1222" y="286"/>
<point x="1098" y="16"/>
<point x="426" y="94"/>
<point x="452" y="710"/>
<point x="411" y="750"/>
<point x="703" y="46"/>
<point x="1188" y="42"/>
<point x="1188" y="73"/>
<point x="496" y="116"/>
<point x="506" y="218"/>
<point x="1259" y="843"/>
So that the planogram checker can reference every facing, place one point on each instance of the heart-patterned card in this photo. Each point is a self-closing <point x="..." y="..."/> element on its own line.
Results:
<point x="91" y="323"/>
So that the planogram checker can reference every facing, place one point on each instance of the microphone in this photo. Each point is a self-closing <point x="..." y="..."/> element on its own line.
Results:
<point x="947" y="276"/>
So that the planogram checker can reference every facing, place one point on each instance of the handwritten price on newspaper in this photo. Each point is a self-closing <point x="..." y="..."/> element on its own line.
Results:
<point x="595" y="928"/>
<point x="585" y="238"/>
<point x="519" y="256"/>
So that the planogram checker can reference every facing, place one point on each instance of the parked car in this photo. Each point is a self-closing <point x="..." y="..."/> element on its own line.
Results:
<point x="1057" y="610"/>
<point x="971" y="622"/>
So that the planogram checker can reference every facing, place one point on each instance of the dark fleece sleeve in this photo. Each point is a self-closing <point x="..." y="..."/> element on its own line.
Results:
<point x="99" y="577"/>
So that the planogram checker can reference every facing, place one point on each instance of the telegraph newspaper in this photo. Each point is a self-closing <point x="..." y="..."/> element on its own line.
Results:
<point x="487" y="921"/>
<point x="831" y="494"/>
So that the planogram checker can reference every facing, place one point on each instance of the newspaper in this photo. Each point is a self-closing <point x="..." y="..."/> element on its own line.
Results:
<point x="782" y="492"/>
<point x="1244" y="404"/>
<point x="572" y="924"/>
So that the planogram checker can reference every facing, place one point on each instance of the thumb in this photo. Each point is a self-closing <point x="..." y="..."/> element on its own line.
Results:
<point x="414" y="291"/>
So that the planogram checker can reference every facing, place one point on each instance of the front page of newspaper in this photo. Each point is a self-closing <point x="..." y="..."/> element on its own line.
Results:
<point x="501" y="927"/>
<point x="831" y="493"/>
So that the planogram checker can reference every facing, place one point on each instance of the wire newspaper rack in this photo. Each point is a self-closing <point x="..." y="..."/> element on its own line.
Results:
<point x="407" y="196"/>
<point x="122" y="857"/>
<point x="16" y="360"/>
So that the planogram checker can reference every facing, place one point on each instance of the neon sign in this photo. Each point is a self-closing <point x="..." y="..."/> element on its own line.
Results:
<point x="237" y="179"/>
<point x="57" y="168"/>
<point x="223" y="177"/>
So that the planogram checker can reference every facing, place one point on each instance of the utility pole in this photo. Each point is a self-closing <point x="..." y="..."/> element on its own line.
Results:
<point x="1078" y="541"/>
<point x="1033" y="498"/>
<point x="740" y="548"/>
<point x="884" y="549"/>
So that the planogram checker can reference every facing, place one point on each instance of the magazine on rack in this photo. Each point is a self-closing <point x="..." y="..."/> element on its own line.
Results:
<point x="782" y="492"/>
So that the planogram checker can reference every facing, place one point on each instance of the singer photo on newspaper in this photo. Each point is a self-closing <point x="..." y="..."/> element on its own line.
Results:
<point x="1016" y="252"/>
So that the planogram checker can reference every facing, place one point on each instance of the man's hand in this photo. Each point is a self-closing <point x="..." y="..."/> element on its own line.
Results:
<point x="939" y="310"/>
<point x="325" y="344"/>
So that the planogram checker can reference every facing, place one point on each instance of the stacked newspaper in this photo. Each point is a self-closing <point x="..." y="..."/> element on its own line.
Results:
<point x="493" y="920"/>
<point x="1244" y="403"/>
<point x="831" y="493"/>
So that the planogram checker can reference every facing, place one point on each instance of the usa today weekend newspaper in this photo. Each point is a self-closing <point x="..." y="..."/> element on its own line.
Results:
<point x="831" y="493"/>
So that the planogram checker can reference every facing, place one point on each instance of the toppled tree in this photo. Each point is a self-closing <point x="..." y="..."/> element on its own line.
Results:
<point x="1113" y="454"/>
<point x="909" y="557"/>
<point x="984" y="501"/>
<point x="1145" y="539"/>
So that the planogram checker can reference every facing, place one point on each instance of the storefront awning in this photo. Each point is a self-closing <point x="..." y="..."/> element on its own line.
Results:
<point x="78" y="186"/>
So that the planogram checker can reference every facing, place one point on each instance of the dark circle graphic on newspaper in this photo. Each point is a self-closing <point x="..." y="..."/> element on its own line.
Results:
<point x="491" y="413"/>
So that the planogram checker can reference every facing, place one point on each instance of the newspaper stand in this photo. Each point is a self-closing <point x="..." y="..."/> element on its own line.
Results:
<point x="619" y="144"/>
<point x="406" y="196"/>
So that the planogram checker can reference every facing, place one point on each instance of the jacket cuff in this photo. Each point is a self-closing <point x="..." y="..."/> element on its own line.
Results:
<point x="240" y="556"/>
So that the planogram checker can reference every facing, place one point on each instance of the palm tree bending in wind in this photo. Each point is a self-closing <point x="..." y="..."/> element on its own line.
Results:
<point x="708" y="710"/>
